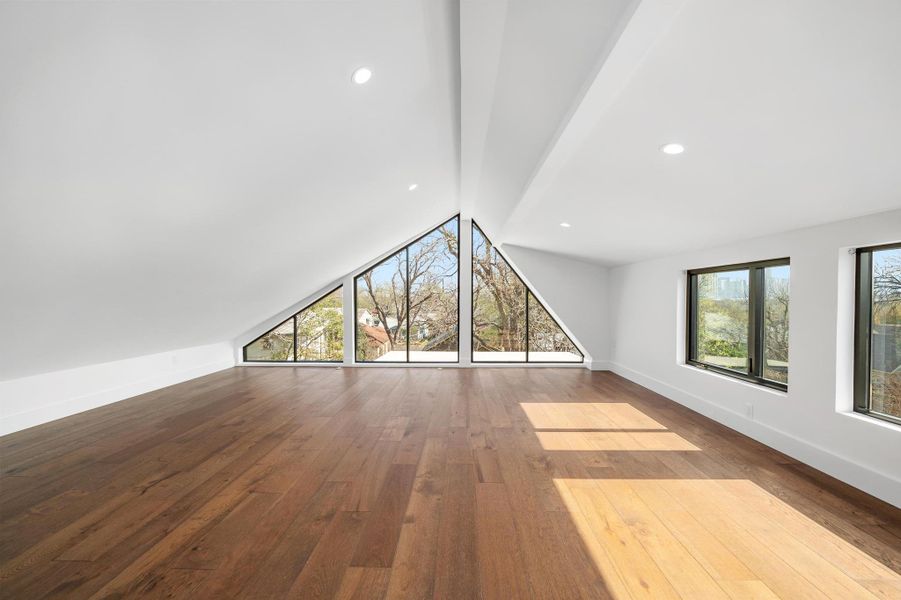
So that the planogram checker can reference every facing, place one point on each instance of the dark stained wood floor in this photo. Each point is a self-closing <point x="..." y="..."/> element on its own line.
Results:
<point x="422" y="483"/>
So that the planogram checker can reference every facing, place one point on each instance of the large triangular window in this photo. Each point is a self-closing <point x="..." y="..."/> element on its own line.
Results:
<point x="315" y="334"/>
<point x="407" y="306"/>
<point x="406" y="310"/>
<point x="509" y="324"/>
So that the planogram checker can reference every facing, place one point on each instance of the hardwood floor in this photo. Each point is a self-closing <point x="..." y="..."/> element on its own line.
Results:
<point x="422" y="483"/>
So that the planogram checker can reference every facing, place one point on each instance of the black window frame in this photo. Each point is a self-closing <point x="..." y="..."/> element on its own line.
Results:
<point x="293" y="319"/>
<point x="528" y="293"/>
<point x="406" y="250"/>
<point x="863" y="321"/>
<point x="756" y="299"/>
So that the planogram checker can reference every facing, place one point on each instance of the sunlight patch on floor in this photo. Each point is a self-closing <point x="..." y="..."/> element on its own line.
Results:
<point x="596" y="441"/>
<point x="714" y="539"/>
<point x="587" y="415"/>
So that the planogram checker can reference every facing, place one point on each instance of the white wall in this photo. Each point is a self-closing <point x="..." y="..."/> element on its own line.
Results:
<point x="574" y="292"/>
<point x="30" y="401"/>
<point x="813" y="421"/>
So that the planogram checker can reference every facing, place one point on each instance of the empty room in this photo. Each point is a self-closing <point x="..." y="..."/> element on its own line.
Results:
<point x="451" y="299"/>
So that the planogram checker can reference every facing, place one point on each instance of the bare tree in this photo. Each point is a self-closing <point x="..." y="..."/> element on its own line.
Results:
<point x="497" y="325"/>
<point x="422" y="271"/>
<point x="887" y="281"/>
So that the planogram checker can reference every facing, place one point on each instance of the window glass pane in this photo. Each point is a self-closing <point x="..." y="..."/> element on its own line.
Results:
<point x="775" y="323"/>
<point x="382" y="311"/>
<point x="547" y="341"/>
<point x="722" y="319"/>
<point x="885" y="333"/>
<point x="320" y="330"/>
<point x="498" y="305"/>
<point x="434" y="262"/>
<point x="277" y="345"/>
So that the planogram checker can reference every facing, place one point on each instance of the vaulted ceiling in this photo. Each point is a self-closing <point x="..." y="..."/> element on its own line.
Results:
<point x="788" y="112"/>
<point x="173" y="173"/>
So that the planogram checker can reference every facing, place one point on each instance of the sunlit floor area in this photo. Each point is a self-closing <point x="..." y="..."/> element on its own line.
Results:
<point x="715" y="538"/>
<point x="425" y="483"/>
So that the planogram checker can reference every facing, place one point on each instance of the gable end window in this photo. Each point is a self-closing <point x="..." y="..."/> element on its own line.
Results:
<point x="509" y="324"/>
<point x="738" y="321"/>
<point x="313" y="335"/>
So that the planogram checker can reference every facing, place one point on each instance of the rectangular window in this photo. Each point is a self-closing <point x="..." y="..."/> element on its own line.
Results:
<point x="738" y="321"/>
<point x="877" y="372"/>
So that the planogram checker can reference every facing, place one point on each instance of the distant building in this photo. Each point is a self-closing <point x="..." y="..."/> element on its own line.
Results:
<point x="728" y="288"/>
<point x="886" y="348"/>
<point x="372" y="320"/>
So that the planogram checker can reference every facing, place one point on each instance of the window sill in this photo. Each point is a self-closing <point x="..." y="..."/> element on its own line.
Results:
<point x="864" y="417"/>
<point x="778" y="391"/>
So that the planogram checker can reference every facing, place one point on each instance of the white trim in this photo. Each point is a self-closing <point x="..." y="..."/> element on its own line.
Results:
<point x="731" y="379"/>
<point x="871" y="420"/>
<point x="349" y="321"/>
<point x="882" y="485"/>
<point x="38" y="399"/>
<point x="465" y="298"/>
<point x="420" y="365"/>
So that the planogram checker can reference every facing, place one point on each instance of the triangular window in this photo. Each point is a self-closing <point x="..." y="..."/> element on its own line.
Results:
<point x="509" y="324"/>
<point x="315" y="334"/>
<point x="407" y="309"/>
<point x="547" y="341"/>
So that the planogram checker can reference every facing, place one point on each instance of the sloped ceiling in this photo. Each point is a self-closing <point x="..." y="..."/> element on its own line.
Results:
<point x="790" y="113"/>
<point x="173" y="173"/>
<point x="524" y="64"/>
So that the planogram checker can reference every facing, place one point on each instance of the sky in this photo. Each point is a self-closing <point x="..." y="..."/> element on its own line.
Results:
<point x="383" y="272"/>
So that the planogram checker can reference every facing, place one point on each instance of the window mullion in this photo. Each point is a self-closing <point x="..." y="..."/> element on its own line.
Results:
<point x="693" y="317"/>
<point x="752" y="313"/>
<point x="756" y="294"/>
<point x="527" y="323"/>
<point x="407" y="285"/>
<point x="862" y="330"/>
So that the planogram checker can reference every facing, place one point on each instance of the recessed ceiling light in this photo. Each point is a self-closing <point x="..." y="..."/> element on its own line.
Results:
<point x="413" y="186"/>
<point x="361" y="75"/>
<point x="672" y="148"/>
<point x="567" y="225"/>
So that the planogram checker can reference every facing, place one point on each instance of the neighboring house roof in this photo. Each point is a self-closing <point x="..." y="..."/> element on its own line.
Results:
<point x="376" y="335"/>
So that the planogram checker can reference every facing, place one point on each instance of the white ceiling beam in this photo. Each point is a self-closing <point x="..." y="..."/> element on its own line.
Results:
<point x="639" y="33"/>
<point x="481" y="39"/>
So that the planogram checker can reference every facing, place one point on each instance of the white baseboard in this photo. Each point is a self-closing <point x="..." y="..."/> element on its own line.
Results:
<point x="881" y="485"/>
<point x="38" y="399"/>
